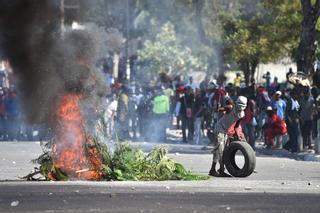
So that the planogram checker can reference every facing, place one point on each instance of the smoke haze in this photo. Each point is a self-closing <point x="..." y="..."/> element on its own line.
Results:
<point x="46" y="64"/>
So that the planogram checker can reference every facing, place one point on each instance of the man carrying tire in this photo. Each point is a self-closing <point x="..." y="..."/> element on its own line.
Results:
<point x="227" y="126"/>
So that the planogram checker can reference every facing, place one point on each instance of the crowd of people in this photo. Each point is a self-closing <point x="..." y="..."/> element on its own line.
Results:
<point x="278" y="114"/>
<point x="282" y="115"/>
<point x="11" y="127"/>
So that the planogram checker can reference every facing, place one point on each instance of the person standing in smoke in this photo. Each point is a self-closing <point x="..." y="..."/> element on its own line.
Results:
<point x="180" y="90"/>
<point x="142" y="111"/>
<point x="199" y="110"/>
<point x="147" y="114"/>
<point x="161" y="108"/>
<point x="209" y="114"/>
<point x="122" y="115"/>
<point x="186" y="116"/>
<point x="191" y="84"/>
<point x="2" y="114"/>
<point x="12" y="112"/>
<point x="227" y="126"/>
<point x="110" y="115"/>
<point x="132" y="112"/>
<point x="168" y="91"/>
<point x="204" y="85"/>
<point x="134" y="103"/>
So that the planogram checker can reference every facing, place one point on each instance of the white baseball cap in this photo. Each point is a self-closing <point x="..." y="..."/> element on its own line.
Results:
<point x="269" y="108"/>
<point x="278" y="93"/>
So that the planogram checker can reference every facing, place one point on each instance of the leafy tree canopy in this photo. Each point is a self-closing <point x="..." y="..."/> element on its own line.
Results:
<point x="218" y="32"/>
<point x="166" y="53"/>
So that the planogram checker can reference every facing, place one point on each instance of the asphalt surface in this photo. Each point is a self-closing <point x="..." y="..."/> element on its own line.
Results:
<point x="81" y="198"/>
<point x="280" y="185"/>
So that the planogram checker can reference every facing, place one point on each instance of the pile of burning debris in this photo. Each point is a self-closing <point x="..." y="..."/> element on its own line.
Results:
<point x="126" y="163"/>
<point x="75" y="155"/>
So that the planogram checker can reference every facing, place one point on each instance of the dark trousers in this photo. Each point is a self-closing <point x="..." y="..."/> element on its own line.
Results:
<point x="248" y="130"/>
<point x="293" y="132"/>
<point x="3" y="128"/>
<point x="315" y="128"/>
<point x="187" y="123"/>
<point x="134" y="124"/>
<point x="306" y="131"/>
<point x="122" y="127"/>
<point x="142" y="124"/>
<point x="178" y="121"/>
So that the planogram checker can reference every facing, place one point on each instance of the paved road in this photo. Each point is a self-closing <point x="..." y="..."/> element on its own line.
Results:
<point x="281" y="185"/>
<point x="88" y="198"/>
<point x="15" y="161"/>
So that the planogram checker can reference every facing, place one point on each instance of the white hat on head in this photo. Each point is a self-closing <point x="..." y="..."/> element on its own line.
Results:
<point x="278" y="93"/>
<point x="269" y="108"/>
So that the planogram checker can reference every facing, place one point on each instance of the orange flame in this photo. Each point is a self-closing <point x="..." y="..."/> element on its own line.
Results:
<point x="75" y="152"/>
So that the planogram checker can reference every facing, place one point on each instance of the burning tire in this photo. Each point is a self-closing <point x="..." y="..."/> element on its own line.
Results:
<point x="230" y="161"/>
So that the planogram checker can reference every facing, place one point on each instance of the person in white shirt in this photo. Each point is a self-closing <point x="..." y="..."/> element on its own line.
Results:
<point x="110" y="114"/>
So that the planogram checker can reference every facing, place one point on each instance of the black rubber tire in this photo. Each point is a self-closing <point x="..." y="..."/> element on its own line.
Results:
<point x="249" y="154"/>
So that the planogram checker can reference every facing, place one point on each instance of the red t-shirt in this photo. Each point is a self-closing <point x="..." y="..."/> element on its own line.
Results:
<point x="276" y="122"/>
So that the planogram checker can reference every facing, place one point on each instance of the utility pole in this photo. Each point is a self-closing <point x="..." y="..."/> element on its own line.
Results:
<point x="62" y="16"/>
<point x="128" y="71"/>
<point x="69" y="12"/>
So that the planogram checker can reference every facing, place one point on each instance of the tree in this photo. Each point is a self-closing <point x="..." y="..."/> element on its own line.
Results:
<point x="244" y="37"/>
<point x="260" y="32"/>
<point x="307" y="47"/>
<point x="219" y="32"/>
<point x="286" y="25"/>
<point x="165" y="53"/>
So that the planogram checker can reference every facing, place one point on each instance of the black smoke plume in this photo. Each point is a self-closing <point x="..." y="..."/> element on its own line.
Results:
<point x="46" y="62"/>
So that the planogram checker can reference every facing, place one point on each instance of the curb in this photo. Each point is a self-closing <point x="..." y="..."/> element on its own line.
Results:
<point x="301" y="156"/>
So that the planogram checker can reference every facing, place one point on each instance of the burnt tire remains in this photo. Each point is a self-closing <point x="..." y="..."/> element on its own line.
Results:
<point x="229" y="160"/>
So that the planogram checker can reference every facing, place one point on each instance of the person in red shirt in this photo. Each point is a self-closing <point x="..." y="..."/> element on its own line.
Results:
<point x="274" y="126"/>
